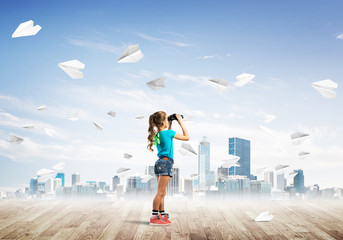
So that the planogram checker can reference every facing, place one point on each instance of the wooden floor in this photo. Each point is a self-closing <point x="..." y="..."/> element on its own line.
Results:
<point x="230" y="219"/>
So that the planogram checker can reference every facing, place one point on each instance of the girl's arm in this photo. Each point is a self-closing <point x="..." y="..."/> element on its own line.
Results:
<point x="185" y="136"/>
<point x="170" y="125"/>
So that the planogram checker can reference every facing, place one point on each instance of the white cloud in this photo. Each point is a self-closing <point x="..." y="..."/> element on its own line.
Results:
<point x="340" y="36"/>
<point x="160" y="40"/>
<point x="206" y="57"/>
<point x="95" y="45"/>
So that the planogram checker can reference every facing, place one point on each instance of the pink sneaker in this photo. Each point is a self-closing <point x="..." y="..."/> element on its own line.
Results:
<point x="156" y="220"/>
<point x="165" y="218"/>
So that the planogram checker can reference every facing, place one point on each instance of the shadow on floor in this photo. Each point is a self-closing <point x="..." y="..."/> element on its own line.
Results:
<point x="138" y="222"/>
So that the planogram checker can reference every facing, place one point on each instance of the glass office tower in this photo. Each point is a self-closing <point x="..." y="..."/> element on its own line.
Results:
<point x="61" y="176"/>
<point x="240" y="147"/>
<point x="203" y="164"/>
<point x="299" y="181"/>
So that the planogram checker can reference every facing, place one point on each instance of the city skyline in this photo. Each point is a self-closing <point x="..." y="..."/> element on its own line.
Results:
<point x="189" y="45"/>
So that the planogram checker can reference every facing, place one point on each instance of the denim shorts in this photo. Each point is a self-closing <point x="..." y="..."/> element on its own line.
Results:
<point x="164" y="167"/>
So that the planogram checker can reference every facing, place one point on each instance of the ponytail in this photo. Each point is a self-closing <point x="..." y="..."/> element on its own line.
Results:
<point x="155" y="120"/>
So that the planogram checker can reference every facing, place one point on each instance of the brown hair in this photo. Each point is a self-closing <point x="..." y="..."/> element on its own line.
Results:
<point x="155" y="120"/>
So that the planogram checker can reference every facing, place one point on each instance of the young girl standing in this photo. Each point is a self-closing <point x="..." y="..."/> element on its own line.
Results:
<point x="163" y="139"/>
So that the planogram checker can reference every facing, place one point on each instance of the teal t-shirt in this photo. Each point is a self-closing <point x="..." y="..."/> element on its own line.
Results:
<point x="165" y="147"/>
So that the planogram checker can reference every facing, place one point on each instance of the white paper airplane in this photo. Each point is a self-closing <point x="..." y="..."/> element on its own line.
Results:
<point x="188" y="148"/>
<point x="73" y="117"/>
<point x="42" y="107"/>
<point x="268" y="118"/>
<point x="122" y="170"/>
<point x="44" y="171"/>
<point x="49" y="132"/>
<point x="59" y="166"/>
<point x="72" y="68"/>
<point x="194" y="175"/>
<point x="266" y="130"/>
<point x="299" y="137"/>
<point x="219" y="84"/>
<point x="280" y="166"/>
<point x="156" y="84"/>
<point x="98" y="126"/>
<point x="139" y="117"/>
<point x="146" y="178"/>
<point x="26" y="29"/>
<point x="260" y="170"/>
<point x="232" y="157"/>
<point x="29" y="126"/>
<point x="243" y="79"/>
<point x="293" y="174"/>
<point x="131" y="54"/>
<point x="326" y="88"/>
<point x="303" y="153"/>
<point x="111" y="113"/>
<point x="127" y="156"/>
<point x="230" y="164"/>
<point x="264" y="217"/>
<point x="15" y="139"/>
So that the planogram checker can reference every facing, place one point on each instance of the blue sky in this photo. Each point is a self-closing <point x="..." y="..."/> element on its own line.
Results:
<point x="287" y="45"/>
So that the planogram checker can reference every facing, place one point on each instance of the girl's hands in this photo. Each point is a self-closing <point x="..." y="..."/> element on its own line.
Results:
<point x="179" y="118"/>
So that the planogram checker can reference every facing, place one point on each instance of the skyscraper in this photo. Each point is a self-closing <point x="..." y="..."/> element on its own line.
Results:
<point x="173" y="184"/>
<point x="115" y="182"/>
<point x="299" y="181"/>
<point x="280" y="181"/>
<point x="269" y="177"/>
<point x="61" y="176"/>
<point x="75" y="179"/>
<point x="203" y="164"/>
<point x="240" y="147"/>
<point x="33" y="186"/>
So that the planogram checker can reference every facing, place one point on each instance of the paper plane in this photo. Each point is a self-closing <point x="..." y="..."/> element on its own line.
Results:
<point x="293" y="174"/>
<point x="243" y="79"/>
<point x="26" y="29"/>
<point x="156" y="84"/>
<point x="326" y="88"/>
<point x="230" y="164"/>
<point x="59" y="166"/>
<point x="303" y="153"/>
<point x="127" y="156"/>
<point x="220" y="84"/>
<point x="188" y="148"/>
<point x="15" y="139"/>
<point x="73" y="117"/>
<point x="44" y="171"/>
<point x="220" y="81"/>
<point x="111" y="113"/>
<point x="122" y="170"/>
<point x="264" y="217"/>
<point x="42" y="107"/>
<point x="280" y="166"/>
<point x="194" y="175"/>
<point x="260" y="170"/>
<point x="98" y="126"/>
<point x="29" y="126"/>
<point x="266" y="130"/>
<point x="299" y="137"/>
<point x="139" y="117"/>
<point x="49" y="132"/>
<point x="131" y="54"/>
<point x="232" y="157"/>
<point x="44" y="178"/>
<point x="268" y="118"/>
<point x="72" y="68"/>
<point x="146" y="178"/>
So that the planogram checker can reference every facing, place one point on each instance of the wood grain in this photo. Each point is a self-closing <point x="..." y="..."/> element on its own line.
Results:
<point x="229" y="219"/>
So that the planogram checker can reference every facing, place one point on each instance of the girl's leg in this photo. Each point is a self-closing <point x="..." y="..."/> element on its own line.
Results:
<point x="161" y="192"/>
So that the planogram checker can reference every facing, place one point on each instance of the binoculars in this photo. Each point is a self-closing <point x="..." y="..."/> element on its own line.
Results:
<point x="173" y="117"/>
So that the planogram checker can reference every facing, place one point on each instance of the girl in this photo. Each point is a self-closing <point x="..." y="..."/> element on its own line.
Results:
<point x="163" y="139"/>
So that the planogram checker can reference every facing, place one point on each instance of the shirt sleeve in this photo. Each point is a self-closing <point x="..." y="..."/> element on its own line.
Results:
<point x="172" y="133"/>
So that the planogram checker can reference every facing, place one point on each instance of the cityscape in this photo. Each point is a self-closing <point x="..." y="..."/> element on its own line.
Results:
<point x="231" y="180"/>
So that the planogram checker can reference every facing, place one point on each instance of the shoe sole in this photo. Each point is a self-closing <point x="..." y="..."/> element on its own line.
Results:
<point x="157" y="224"/>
